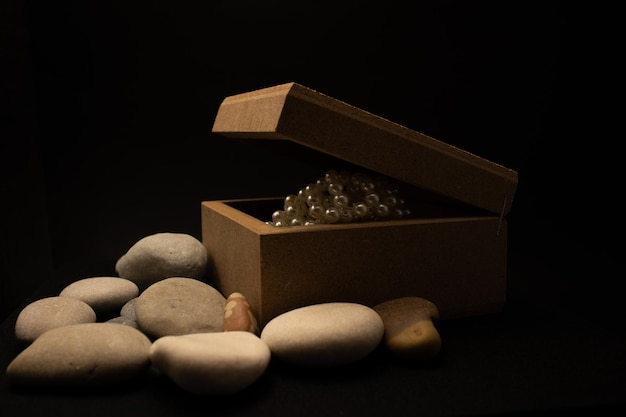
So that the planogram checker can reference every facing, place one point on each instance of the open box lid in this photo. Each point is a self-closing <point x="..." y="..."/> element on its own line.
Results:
<point x="304" y="116"/>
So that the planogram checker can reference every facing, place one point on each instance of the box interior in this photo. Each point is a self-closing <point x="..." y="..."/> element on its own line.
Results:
<point x="262" y="209"/>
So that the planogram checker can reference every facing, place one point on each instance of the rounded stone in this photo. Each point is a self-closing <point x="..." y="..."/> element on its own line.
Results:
<point x="163" y="255"/>
<point x="82" y="355"/>
<point x="105" y="295"/>
<point x="49" y="313"/>
<point x="178" y="306"/>
<point x="238" y="314"/>
<point x="327" y="334"/>
<point x="211" y="363"/>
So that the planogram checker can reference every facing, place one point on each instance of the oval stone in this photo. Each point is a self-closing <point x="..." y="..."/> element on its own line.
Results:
<point x="211" y="363"/>
<point x="238" y="314"/>
<point x="49" y="313"/>
<point x="105" y="295"/>
<point x="163" y="255"/>
<point x="82" y="355"/>
<point x="325" y="334"/>
<point x="177" y="306"/>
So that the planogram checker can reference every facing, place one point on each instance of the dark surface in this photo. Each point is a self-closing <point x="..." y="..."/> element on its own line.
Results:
<point x="108" y="138"/>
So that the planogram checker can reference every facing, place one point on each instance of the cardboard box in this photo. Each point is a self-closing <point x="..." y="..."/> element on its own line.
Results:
<point x="452" y="251"/>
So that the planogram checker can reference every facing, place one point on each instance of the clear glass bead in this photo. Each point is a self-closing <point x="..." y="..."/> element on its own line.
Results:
<point x="335" y="188"/>
<point x="277" y="216"/>
<point x="313" y="199"/>
<point x="372" y="199"/>
<point x="291" y="211"/>
<point x="360" y="210"/>
<point x="329" y="200"/>
<point x="331" y="215"/>
<point x="381" y="210"/>
<point x="317" y="211"/>
<point x="367" y="187"/>
<point x="331" y="176"/>
<point x="345" y="216"/>
<point x="390" y="201"/>
<point x="341" y="200"/>
<point x="291" y="200"/>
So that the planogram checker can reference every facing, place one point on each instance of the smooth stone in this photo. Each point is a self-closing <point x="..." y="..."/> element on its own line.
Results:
<point x="238" y="314"/>
<point x="49" y="313"/>
<point x="177" y="306"/>
<point x="163" y="255"/>
<point x="211" y="363"/>
<point x="82" y="355"/>
<point x="410" y="332"/>
<point x="105" y="295"/>
<point x="327" y="334"/>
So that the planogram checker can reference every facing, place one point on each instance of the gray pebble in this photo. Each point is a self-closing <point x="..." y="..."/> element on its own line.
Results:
<point x="128" y="309"/>
<point x="179" y="305"/>
<point x="127" y="321"/>
<point x="49" y="313"/>
<point x="105" y="295"/>
<point x="211" y="363"/>
<point x="163" y="255"/>
<point x="325" y="334"/>
<point x="82" y="355"/>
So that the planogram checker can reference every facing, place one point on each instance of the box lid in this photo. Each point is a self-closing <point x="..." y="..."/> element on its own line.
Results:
<point x="304" y="116"/>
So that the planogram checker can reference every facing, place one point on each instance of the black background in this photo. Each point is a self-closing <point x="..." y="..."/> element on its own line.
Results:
<point x="108" y="108"/>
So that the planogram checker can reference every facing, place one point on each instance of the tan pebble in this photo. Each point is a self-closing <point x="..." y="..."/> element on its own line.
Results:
<point x="104" y="294"/>
<point x="410" y="332"/>
<point x="179" y="305"/>
<point x="49" y="313"/>
<point x="82" y="354"/>
<point x="238" y="315"/>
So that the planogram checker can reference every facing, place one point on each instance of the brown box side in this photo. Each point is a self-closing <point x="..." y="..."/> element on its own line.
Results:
<point x="459" y="263"/>
<point x="234" y="252"/>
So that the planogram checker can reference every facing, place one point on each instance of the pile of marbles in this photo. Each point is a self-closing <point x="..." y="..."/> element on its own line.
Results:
<point x="160" y="314"/>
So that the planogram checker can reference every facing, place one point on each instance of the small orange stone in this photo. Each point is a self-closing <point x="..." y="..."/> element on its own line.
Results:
<point x="238" y="315"/>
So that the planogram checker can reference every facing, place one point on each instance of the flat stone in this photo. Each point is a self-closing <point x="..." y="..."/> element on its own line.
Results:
<point x="238" y="314"/>
<point x="410" y="331"/>
<point x="163" y="255"/>
<point x="325" y="334"/>
<point x="211" y="363"/>
<point x="49" y="313"/>
<point x="177" y="306"/>
<point x="82" y="355"/>
<point x="105" y="295"/>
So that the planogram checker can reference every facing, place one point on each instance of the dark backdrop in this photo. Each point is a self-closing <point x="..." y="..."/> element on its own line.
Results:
<point x="105" y="137"/>
<point x="109" y="109"/>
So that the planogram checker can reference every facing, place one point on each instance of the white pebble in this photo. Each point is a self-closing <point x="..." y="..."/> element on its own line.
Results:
<point x="211" y="363"/>
<point x="325" y="334"/>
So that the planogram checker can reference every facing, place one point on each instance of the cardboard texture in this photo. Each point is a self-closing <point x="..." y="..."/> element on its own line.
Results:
<point x="453" y="255"/>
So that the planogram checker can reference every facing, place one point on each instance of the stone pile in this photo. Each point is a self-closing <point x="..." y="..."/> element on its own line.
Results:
<point x="168" y="318"/>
